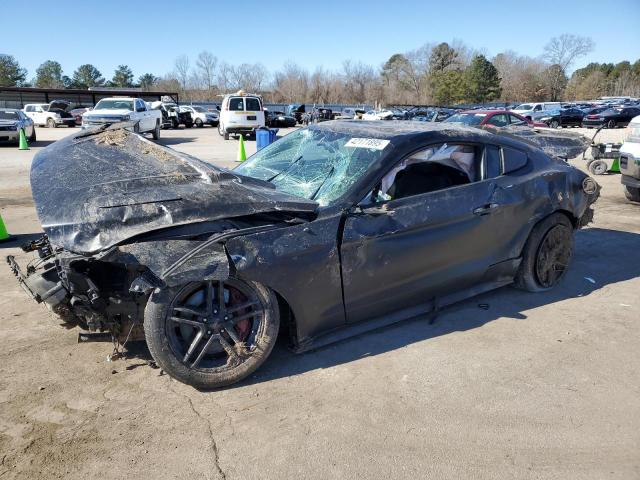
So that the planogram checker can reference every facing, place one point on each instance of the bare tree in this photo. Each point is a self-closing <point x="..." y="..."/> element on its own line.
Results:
<point x="566" y="49"/>
<point x="182" y="66"/>
<point x="206" y="65"/>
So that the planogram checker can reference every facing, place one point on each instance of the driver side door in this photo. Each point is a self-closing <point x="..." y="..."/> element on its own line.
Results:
<point x="406" y="252"/>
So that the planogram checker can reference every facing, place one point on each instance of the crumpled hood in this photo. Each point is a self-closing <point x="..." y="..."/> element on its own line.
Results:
<point x="100" y="187"/>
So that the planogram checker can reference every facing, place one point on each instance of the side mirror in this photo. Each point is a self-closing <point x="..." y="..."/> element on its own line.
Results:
<point x="218" y="107"/>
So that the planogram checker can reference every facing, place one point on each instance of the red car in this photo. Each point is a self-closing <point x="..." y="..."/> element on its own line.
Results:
<point x="77" y="114"/>
<point x="496" y="118"/>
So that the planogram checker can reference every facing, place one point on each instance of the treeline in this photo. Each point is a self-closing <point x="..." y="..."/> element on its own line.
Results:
<point x="444" y="73"/>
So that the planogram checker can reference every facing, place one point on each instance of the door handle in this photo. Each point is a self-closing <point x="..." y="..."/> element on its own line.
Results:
<point x="485" y="209"/>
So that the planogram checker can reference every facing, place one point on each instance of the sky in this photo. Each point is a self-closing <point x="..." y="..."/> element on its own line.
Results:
<point x="149" y="35"/>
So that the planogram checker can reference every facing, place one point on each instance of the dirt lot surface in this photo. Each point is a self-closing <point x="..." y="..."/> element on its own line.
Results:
<point x="537" y="386"/>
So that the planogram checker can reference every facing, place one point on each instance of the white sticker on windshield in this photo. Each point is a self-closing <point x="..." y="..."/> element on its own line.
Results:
<point x="372" y="143"/>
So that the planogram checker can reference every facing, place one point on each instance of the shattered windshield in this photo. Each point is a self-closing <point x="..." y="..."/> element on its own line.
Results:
<point x="315" y="164"/>
<point x="467" y="118"/>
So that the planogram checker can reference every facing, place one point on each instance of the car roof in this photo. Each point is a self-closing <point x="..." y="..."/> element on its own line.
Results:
<point x="395" y="128"/>
<point x="487" y="111"/>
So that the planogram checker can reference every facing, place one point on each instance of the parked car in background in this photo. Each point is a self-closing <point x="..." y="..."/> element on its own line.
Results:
<point x="594" y="110"/>
<point x="563" y="117"/>
<point x="177" y="115"/>
<point x="124" y="109"/>
<point x="611" y="118"/>
<point x="351" y="113"/>
<point x="378" y="115"/>
<point x="630" y="161"/>
<point x="240" y="113"/>
<point x="534" y="111"/>
<point x="496" y="118"/>
<point x="78" y="112"/>
<point x="12" y="121"/>
<point x="200" y="116"/>
<point x="51" y="114"/>
<point x="279" y="119"/>
<point x="317" y="115"/>
<point x="296" y="111"/>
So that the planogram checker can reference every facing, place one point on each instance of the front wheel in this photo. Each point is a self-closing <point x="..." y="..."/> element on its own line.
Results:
<point x="546" y="254"/>
<point x="156" y="131"/>
<point x="214" y="333"/>
<point x="554" y="124"/>
<point x="199" y="123"/>
<point x="611" y="124"/>
<point x="32" y="137"/>
<point x="632" y="193"/>
<point x="51" y="123"/>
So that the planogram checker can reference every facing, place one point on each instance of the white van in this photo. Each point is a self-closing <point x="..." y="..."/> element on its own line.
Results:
<point x="531" y="111"/>
<point x="240" y="112"/>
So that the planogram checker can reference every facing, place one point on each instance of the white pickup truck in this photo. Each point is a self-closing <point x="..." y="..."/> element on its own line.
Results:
<point x="125" y="109"/>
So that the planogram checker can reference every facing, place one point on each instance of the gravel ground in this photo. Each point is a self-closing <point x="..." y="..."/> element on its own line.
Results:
<point x="539" y="386"/>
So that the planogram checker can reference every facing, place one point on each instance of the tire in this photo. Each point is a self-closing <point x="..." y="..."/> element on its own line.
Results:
<point x="598" y="167"/>
<point x="611" y="124"/>
<point x="193" y="351"/>
<point x="222" y="131"/>
<point x="175" y="124"/>
<point x="51" y="123"/>
<point x="554" y="124"/>
<point x="632" y="193"/>
<point x="32" y="137"/>
<point x="156" y="131"/>
<point x="188" y="125"/>
<point x="547" y="251"/>
<point x="199" y="123"/>
<point x="136" y="128"/>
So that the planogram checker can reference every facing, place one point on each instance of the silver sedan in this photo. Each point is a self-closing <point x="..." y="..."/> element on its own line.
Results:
<point x="11" y="122"/>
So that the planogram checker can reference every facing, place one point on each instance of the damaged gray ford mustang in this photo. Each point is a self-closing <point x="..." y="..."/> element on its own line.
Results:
<point x="331" y="231"/>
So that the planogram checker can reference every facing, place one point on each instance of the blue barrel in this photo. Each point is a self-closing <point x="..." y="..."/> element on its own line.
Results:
<point x="273" y="135"/>
<point x="263" y="138"/>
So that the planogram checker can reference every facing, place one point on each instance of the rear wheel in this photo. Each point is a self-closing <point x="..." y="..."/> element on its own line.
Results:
<point x="554" y="124"/>
<point x="632" y="193"/>
<point x="611" y="124"/>
<point x="51" y="123"/>
<point x="156" y="131"/>
<point x="546" y="254"/>
<point x="199" y="123"/>
<point x="32" y="137"/>
<point x="212" y="334"/>
<point x="598" y="167"/>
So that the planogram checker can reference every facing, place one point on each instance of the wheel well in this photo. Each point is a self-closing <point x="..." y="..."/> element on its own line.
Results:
<point x="570" y="217"/>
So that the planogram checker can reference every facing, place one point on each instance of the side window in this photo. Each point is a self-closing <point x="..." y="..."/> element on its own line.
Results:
<point x="512" y="159"/>
<point x="492" y="164"/>
<point x="516" y="121"/>
<point x="434" y="168"/>
<point x="29" y="108"/>
<point x="236" y="104"/>
<point x="499" y="120"/>
<point x="37" y="108"/>
<point x="538" y="108"/>
<point x="140" y="107"/>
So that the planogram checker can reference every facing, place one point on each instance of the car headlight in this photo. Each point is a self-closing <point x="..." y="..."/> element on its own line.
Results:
<point x="281" y="118"/>
<point x="126" y="118"/>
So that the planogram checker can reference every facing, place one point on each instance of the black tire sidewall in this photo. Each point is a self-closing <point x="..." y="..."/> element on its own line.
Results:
<point x="526" y="278"/>
<point x="632" y="194"/>
<point x="155" y="318"/>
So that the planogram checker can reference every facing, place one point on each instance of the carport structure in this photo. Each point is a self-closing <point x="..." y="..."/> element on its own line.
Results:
<point x="17" y="97"/>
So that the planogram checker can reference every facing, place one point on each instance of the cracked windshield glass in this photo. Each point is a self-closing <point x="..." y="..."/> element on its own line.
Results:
<point x="315" y="164"/>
